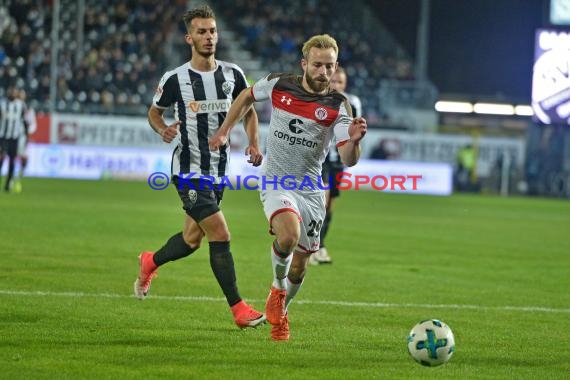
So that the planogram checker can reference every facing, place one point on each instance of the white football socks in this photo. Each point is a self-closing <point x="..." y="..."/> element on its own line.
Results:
<point x="280" y="269"/>
<point x="292" y="290"/>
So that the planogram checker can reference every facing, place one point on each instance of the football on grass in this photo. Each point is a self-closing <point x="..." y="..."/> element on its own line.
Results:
<point x="431" y="343"/>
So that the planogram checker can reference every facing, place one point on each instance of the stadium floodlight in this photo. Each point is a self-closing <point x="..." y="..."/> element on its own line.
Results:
<point x="457" y="107"/>
<point x="494" y="109"/>
<point x="522" y="110"/>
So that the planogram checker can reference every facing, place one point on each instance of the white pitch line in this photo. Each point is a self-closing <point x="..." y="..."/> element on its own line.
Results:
<point x="306" y="302"/>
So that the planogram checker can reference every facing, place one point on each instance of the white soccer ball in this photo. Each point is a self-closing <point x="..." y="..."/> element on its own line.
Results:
<point x="431" y="343"/>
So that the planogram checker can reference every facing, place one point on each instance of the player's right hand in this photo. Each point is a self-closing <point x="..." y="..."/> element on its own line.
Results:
<point x="169" y="133"/>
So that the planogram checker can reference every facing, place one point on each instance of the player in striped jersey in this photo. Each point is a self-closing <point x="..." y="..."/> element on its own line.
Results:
<point x="333" y="166"/>
<point x="201" y="92"/>
<point x="13" y="125"/>
<point x="306" y="115"/>
<point x="30" y="117"/>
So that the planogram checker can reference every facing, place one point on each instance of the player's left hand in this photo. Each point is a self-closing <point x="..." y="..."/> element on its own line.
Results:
<point x="255" y="156"/>
<point x="357" y="129"/>
<point x="218" y="140"/>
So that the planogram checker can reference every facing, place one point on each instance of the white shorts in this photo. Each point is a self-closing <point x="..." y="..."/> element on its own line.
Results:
<point x="309" y="207"/>
<point x="22" y="146"/>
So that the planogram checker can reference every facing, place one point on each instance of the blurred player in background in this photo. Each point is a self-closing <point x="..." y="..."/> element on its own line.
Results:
<point x="307" y="115"/>
<point x="13" y="126"/>
<point x="333" y="166"/>
<point x="30" y="118"/>
<point x="195" y="89"/>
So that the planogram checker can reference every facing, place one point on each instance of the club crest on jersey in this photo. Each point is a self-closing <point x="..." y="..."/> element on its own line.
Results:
<point x="228" y="87"/>
<point x="321" y="113"/>
<point x="192" y="196"/>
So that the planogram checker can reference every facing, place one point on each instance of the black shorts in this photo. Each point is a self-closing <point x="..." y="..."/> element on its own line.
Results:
<point x="9" y="147"/>
<point x="331" y="171"/>
<point x="199" y="199"/>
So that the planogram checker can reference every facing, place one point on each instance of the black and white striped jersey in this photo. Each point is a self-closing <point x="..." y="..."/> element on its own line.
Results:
<point x="201" y="101"/>
<point x="355" y="104"/>
<point x="12" y="122"/>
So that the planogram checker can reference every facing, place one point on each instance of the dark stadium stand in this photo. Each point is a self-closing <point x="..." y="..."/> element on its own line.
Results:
<point x="274" y="31"/>
<point x="111" y="67"/>
<point x="110" y="60"/>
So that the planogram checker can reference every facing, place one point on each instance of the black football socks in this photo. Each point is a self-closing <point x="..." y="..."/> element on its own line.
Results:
<point x="222" y="264"/>
<point x="174" y="249"/>
<point x="325" y="228"/>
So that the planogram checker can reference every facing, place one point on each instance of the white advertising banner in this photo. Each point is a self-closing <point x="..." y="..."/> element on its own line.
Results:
<point x="101" y="130"/>
<point x="401" y="177"/>
<point x="404" y="146"/>
<point x="153" y="165"/>
<point x="115" y="131"/>
<point x="93" y="162"/>
<point x="417" y="147"/>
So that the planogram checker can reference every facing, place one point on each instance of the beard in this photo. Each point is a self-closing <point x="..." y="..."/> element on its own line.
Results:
<point x="203" y="51"/>
<point x="316" y="85"/>
<point x="206" y="53"/>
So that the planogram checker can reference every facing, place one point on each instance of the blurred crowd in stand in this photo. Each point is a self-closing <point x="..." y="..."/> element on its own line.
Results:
<point x="111" y="66"/>
<point x="275" y="30"/>
<point x="114" y="62"/>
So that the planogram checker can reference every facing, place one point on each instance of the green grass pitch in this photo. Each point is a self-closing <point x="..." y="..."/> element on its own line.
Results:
<point x="497" y="270"/>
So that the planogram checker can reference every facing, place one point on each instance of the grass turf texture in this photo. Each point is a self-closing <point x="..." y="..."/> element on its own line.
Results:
<point x="481" y="264"/>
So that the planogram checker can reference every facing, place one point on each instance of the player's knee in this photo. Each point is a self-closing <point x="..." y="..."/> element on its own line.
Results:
<point x="193" y="240"/>
<point x="193" y="244"/>
<point x="219" y="234"/>
<point x="288" y="241"/>
<point x="215" y="227"/>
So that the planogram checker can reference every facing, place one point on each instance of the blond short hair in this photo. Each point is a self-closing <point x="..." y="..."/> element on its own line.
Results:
<point x="319" y="41"/>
